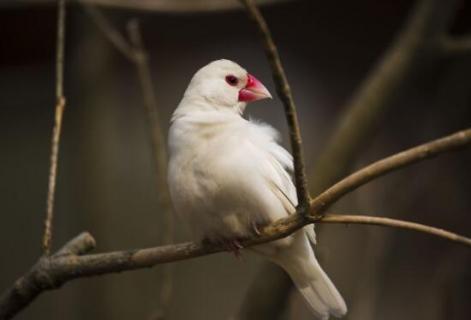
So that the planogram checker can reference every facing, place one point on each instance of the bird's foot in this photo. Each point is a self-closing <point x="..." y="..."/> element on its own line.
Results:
<point x="233" y="246"/>
<point x="230" y="245"/>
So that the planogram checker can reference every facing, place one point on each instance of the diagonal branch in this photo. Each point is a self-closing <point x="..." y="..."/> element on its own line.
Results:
<point x="40" y="277"/>
<point x="455" y="45"/>
<point x="150" y="105"/>
<point x="284" y="91"/>
<point x="133" y="49"/>
<point x="160" y="158"/>
<point x="52" y="272"/>
<point x="56" y="133"/>
<point x="394" y="162"/>
<point x="118" y="41"/>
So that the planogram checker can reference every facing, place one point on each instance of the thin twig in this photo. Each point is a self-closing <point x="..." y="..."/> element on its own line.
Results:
<point x="50" y="273"/>
<point x="56" y="133"/>
<point x="109" y="31"/>
<point x="394" y="162"/>
<point x="395" y="223"/>
<point x="150" y="105"/>
<point x="455" y="45"/>
<point x="79" y="245"/>
<point x="60" y="47"/>
<point x="284" y="91"/>
<point x="160" y="158"/>
<point x="133" y="49"/>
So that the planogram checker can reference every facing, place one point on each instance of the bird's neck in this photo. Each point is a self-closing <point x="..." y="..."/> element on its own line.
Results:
<point x="203" y="104"/>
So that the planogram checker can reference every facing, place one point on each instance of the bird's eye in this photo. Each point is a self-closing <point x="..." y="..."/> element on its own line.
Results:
<point x="232" y="80"/>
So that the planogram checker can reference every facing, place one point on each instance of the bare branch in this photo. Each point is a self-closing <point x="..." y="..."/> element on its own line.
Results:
<point x="40" y="277"/>
<point x="81" y="244"/>
<point x="119" y="42"/>
<point x="160" y="158"/>
<point x="284" y="91"/>
<point x="150" y="105"/>
<point x="134" y="50"/>
<point x="388" y="222"/>
<point x="60" y="47"/>
<point x="52" y="272"/>
<point x="455" y="45"/>
<point x="56" y="133"/>
<point x="394" y="162"/>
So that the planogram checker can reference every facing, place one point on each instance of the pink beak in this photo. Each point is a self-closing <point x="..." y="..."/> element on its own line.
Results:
<point x="254" y="90"/>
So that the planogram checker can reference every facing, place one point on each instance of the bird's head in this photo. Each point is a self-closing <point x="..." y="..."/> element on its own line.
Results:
<point x="225" y="84"/>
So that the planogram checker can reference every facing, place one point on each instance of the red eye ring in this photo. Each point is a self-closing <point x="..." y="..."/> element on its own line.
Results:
<point x="232" y="80"/>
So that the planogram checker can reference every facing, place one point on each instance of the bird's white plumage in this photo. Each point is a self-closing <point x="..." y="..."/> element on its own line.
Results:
<point x="228" y="175"/>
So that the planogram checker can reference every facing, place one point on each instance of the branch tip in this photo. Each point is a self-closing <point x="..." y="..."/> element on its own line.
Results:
<point x="455" y="45"/>
<point x="388" y="222"/>
<point x="81" y="244"/>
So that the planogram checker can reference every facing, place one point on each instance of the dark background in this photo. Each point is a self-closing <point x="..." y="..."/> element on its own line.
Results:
<point x="105" y="183"/>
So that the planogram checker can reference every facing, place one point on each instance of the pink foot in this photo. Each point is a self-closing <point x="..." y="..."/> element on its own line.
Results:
<point x="234" y="246"/>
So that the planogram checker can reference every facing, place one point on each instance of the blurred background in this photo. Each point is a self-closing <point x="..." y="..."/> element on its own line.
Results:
<point x="106" y="170"/>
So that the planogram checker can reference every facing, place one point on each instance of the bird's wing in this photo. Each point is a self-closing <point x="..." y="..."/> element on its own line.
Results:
<point x="278" y="171"/>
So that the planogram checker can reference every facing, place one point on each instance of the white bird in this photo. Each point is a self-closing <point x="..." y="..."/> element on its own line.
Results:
<point x="228" y="176"/>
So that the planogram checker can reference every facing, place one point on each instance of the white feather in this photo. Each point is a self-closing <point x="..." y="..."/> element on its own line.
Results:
<point x="227" y="174"/>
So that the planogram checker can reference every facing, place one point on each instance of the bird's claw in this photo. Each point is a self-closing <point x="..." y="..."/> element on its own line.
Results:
<point x="233" y="246"/>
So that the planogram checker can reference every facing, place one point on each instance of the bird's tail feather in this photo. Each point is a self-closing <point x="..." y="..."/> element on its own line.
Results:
<point x="319" y="292"/>
<point x="312" y="282"/>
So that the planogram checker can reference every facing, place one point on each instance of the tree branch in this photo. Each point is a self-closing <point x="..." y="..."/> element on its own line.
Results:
<point x="394" y="162"/>
<point x="56" y="133"/>
<point x="395" y="223"/>
<point x="455" y="45"/>
<point x="52" y="272"/>
<point x="156" y="133"/>
<point x="160" y="158"/>
<point x="134" y="50"/>
<point x="110" y="33"/>
<point x="40" y="277"/>
<point x="284" y="92"/>
<point x="79" y="245"/>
